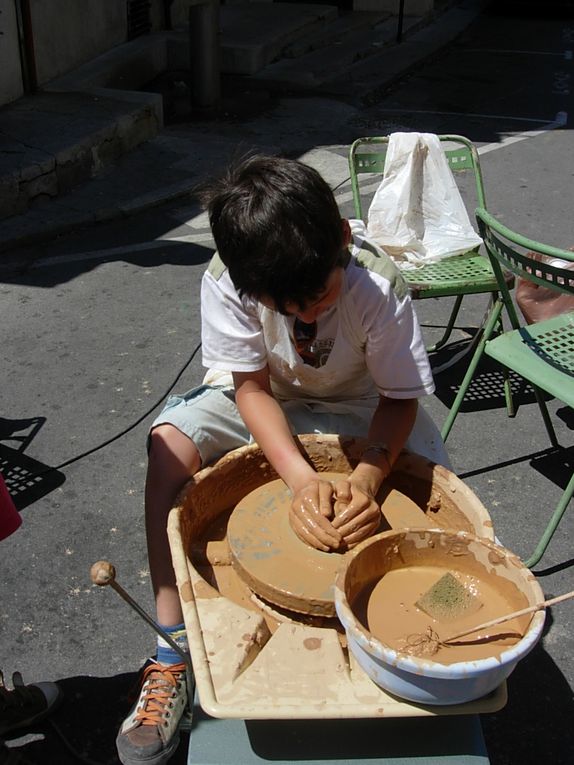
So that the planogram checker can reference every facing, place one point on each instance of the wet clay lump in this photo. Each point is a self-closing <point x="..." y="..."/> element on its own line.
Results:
<point x="280" y="567"/>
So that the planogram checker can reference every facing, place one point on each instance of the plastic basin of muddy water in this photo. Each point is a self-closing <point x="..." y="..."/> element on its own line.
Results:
<point x="421" y="679"/>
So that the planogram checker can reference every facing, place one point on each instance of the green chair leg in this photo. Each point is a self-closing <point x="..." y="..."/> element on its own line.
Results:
<point x="487" y="332"/>
<point x="545" y="416"/>
<point x="552" y="525"/>
<point x="449" y="327"/>
<point x="510" y="410"/>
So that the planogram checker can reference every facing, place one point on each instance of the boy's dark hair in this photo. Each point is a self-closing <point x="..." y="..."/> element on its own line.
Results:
<point x="277" y="228"/>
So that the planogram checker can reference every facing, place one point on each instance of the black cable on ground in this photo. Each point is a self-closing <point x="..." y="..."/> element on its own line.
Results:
<point x="145" y="414"/>
<point x="128" y="428"/>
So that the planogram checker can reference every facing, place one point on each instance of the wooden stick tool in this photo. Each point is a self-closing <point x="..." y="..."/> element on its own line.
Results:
<point x="506" y="617"/>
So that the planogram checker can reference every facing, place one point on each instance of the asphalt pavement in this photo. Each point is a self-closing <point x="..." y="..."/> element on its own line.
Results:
<point x="100" y="323"/>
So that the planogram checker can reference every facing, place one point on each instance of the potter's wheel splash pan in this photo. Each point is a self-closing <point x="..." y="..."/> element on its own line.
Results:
<point x="247" y="669"/>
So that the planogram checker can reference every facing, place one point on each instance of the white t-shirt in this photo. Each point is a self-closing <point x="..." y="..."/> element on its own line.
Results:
<point x="368" y="342"/>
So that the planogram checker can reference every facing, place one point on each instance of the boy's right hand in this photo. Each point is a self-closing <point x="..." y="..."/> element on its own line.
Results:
<point x="310" y="514"/>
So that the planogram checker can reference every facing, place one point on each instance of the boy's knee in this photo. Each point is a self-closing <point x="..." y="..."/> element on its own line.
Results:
<point x="167" y="444"/>
<point x="161" y="434"/>
<point x="159" y="440"/>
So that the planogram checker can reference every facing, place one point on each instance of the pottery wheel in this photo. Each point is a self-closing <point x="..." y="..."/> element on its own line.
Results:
<point x="273" y="561"/>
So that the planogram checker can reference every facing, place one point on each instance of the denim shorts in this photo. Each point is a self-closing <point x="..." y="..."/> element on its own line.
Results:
<point x="209" y="416"/>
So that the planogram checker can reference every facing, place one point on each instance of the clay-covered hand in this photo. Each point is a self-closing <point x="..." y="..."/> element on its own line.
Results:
<point x="357" y="514"/>
<point x="311" y="513"/>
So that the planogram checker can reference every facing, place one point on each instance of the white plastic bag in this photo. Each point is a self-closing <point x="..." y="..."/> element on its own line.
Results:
<point x="417" y="214"/>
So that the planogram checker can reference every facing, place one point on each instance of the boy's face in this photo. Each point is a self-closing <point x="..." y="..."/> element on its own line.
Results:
<point x="314" y="308"/>
<point x="327" y="297"/>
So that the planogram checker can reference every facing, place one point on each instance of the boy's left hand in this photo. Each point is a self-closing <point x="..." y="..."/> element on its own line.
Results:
<point x="357" y="514"/>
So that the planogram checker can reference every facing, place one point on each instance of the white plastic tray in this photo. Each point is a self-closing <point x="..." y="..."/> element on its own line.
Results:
<point x="243" y="669"/>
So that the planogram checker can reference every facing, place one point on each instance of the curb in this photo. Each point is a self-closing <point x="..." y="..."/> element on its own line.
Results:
<point x="76" y="219"/>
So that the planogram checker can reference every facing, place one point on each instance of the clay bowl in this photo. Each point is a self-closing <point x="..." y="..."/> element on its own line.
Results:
<point x="421" y="679"/>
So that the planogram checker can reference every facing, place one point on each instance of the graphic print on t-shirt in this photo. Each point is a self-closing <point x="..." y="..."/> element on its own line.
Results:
<point x="313" y="351"/>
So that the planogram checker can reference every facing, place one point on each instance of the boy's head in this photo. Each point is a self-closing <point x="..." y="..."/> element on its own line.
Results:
<point x="277" y="228"/>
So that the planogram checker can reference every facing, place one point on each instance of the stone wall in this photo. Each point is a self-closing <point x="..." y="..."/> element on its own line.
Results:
<point x="66" y="34"/>
<point x="11" y="86"/>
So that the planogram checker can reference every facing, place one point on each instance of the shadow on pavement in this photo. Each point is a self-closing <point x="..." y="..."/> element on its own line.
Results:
<point x="557" y="465"/>
<point x="534" y="726"/>
<point x="62" y="269"/>
<point x="486" y="390"/>
<point x="84" y="727"/>
<point x="536" y="723"/>
<point x="27" y="479"/>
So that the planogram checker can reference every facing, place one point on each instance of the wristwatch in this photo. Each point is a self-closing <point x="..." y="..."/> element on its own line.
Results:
<point x="379" y="448"/>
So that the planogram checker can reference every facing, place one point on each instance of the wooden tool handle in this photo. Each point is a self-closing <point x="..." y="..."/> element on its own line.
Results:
<point x="506" y="617"/>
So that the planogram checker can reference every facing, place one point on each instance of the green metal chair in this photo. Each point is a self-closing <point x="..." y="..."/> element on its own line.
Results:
<point x="452" y="277"/>
<point x="542" y="353"/>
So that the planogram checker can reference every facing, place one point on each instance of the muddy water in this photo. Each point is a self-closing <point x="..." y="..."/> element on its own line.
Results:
<point x="387" y="610"/>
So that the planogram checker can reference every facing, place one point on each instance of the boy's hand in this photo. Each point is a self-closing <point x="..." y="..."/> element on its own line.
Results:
<point x="311" y="509"/>
<point x="357" y="514"/>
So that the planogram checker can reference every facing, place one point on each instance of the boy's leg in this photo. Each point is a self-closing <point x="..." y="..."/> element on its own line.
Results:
<point x="173" y="459"/>
<point x="425" y="439"/>
<point x="150" y="732"/>
<point x="352" y="418"/>
<point x="191" y="431"/>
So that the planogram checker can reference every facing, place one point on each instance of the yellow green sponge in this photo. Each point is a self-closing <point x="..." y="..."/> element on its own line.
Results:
<point x="448" y="599"/>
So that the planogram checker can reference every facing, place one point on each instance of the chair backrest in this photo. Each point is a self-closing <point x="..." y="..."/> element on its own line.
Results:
<point x="536" y="264"/>
<point x="525" y="257"/>
<point x="367" y="155"/>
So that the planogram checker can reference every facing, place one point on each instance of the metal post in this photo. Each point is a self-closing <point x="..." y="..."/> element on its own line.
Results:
<point x="167" y="13"/>
<point x="204" y="53"/>
<point x="26" y="44"/>
<point x="401" y="17"/>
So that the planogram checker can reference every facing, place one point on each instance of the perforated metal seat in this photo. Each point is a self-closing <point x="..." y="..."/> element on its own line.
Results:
<point x="543" y="353"/>
<point x="471" y="275"/>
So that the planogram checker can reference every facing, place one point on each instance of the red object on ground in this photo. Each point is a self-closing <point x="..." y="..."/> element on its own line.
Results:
<point x="10" y="518"/>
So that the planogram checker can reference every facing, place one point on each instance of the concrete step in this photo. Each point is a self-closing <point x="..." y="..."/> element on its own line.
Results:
<point x="165" y="168"/>
<point x="331" y="54"/>
<point x="50" y="142"/>
<point x="82" y="124"/>
<point x="255" y="34"/>
<point x="333" y="33"/>
<point x="87" y="119"/>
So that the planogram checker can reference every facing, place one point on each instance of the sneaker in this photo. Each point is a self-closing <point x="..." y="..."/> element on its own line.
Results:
<point x="150" y="733"/>
<point x="25" y="704"/>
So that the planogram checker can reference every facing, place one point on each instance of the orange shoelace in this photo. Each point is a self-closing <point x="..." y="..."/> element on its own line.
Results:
<point x="158" y="688"/>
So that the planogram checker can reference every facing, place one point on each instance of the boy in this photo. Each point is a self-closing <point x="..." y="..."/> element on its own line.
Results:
<point x="300" y="335"/>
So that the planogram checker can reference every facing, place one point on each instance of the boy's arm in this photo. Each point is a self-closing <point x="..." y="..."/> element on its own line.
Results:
<point x="266" y="422"/>
<point x="390" y="428"/>
<point x="357" y="511"/>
